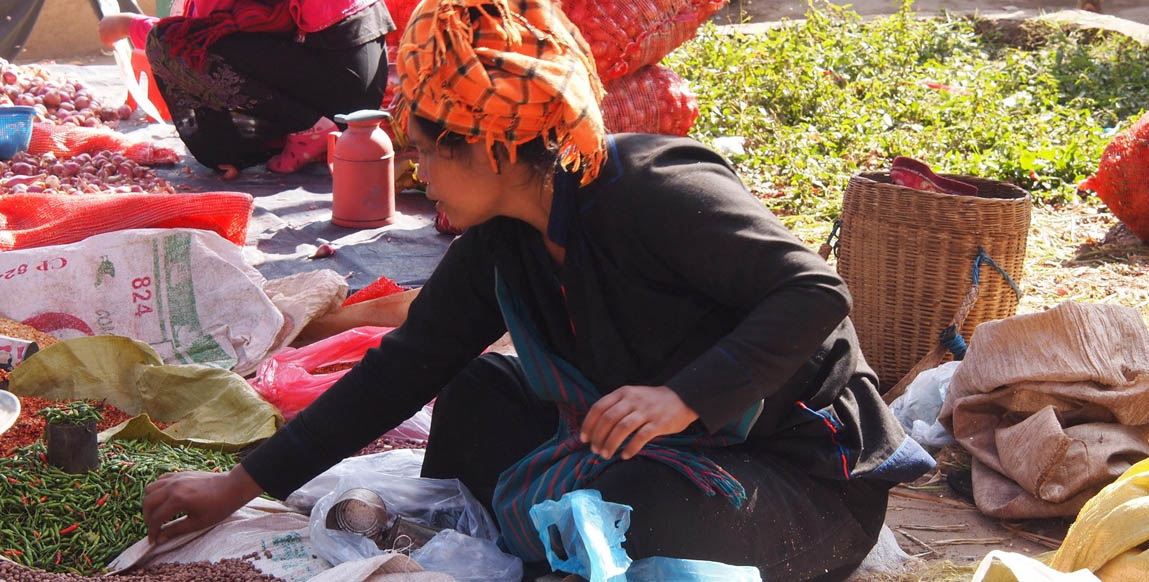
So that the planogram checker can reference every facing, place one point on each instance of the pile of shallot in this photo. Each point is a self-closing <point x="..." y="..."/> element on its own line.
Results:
<point x="104" y="171"/>
<point x="57" y="100"/>
<point x="63" y="102"/>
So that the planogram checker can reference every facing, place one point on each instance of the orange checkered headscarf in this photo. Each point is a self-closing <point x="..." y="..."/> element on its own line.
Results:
<point x="493" y="73"/>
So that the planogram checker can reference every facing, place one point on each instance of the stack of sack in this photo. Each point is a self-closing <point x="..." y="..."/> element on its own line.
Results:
<point x="627" y="40"/>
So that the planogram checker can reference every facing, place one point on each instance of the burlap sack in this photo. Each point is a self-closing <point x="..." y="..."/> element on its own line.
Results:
<point x="1053" y="406"/>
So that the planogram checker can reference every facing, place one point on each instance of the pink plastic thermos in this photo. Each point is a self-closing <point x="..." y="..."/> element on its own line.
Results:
<point x="362" y="162"/>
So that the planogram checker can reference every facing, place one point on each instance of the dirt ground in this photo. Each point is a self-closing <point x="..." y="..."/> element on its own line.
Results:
<point x="771" y="10"/>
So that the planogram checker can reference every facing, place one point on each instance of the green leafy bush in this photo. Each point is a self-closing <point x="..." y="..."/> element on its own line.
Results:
<point x="822" y="99"/>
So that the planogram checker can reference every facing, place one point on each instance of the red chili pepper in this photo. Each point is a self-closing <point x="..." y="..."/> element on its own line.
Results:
<point x="13" y="553"/>
<point x="102" y="500"/>
<point x="24" y="498"/>
<point x="58" y="556"/>
<point x="44" y="458"/>
<point x="43" y="498"/>
<point x="13" y="481"/>
<point x="69" y="529"/>
<point x="36" y="533"/>
<point x="87" y="559"/>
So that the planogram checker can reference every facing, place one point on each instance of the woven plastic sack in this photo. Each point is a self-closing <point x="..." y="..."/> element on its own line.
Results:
<point x="626" y="36"/>
<point x="1110" y="534"/>
<point x="653" y="99"/>
<point x="36" y="220"/>
<point x="65" y="141"/>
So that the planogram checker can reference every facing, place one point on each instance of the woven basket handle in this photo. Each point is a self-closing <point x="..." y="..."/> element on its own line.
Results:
<point x="832" y="241"/>
<point x="950" y="339"/>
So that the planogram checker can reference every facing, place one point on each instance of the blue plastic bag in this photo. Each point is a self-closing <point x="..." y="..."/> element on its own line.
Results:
<point x="659" y="569"/>
<point x="592" y="532"/>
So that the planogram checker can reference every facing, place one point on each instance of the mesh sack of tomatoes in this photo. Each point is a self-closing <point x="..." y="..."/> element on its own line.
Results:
<point x="626" y="36"/>
<point x="653" y="99"/>
<point x="1122" y="179"/>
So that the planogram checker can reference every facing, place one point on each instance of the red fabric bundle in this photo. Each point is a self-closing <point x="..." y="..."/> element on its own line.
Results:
<point x="189" y="38"/>
<point x="66" y="141"/>
<point x="400" y="13"/>
<point x="1122" y="179"/>
<point x="36" y="220"/>
<point x="626" y="36"/>
<point x="651" y="100"/>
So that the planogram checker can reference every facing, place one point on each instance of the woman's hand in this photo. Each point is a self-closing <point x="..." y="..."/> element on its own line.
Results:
<point x="114" y="27"/>
<point x="645" y="412"/>
<point x="205" y="498"/>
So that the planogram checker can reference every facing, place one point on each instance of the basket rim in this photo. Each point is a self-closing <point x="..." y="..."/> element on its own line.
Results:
<point x="867" y="179"/>
<point x="17" y="109"/>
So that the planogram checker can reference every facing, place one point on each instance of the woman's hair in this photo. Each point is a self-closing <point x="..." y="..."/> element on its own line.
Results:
<point x="541" y="153"/>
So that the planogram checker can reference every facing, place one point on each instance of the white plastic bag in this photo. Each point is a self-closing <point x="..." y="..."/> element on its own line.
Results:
<point x="468" y="559"/>
<point x="185" y="292"/>
<point x="439" y="503"/>
<point x="917" y="410"/>
<point x="399" y="462"/>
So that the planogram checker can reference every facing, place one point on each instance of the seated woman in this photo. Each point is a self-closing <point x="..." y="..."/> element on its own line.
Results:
<point x="254" y="81"/>
<point x="678" y="349"/>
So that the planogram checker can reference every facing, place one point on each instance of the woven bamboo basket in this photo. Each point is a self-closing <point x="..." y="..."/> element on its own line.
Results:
<point x="907" y="257"/>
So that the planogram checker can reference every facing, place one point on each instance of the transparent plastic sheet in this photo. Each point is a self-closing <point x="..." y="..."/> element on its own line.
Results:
<point x="468" y="559"/>
<point x="399" y="463"/>
<point x="591" y="532"/>
<point x="917" y="410"/>
<point x="439" y="503"/>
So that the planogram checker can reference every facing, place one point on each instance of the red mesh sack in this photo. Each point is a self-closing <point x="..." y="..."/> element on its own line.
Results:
<point x="1122" y="179"/>
<point x="651" y="100"/>
<point x="382" y="287"/>
<point x="66" y="141"/>
<point x="37" y="220"/>
<point x="628" y="35"/>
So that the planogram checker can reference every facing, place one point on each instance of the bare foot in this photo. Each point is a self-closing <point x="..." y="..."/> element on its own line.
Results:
<point x="230" y="172"/>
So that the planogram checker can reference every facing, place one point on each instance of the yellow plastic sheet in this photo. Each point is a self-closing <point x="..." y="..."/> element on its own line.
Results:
<point x="210" y="407"/>
<point x="1111" y="531"/>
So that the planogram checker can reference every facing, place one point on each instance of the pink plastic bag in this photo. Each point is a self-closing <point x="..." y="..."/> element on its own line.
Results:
<point x="287" y="379"/>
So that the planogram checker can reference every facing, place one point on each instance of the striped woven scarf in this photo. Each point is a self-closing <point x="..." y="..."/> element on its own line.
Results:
<point x="489" y="72"/>
<point x="564" y="463"/>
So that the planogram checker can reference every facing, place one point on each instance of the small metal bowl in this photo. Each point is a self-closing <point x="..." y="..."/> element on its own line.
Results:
<point x="360" y="511"/>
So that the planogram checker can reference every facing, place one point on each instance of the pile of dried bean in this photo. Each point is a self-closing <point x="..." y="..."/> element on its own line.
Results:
<point x="227" y="570"/>
<point x="62" y="522"/>
<point x="58" y="100"/>
<point x="105" y="171"/>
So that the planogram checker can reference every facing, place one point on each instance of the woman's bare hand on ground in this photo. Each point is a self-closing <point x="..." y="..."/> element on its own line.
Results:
<point x="205" y="498"/>
<point x="639" y="412"/>
<point x="114" y="27"/>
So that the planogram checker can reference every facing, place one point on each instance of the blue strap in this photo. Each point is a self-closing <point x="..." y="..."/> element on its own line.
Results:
<point x="983" y="257"/>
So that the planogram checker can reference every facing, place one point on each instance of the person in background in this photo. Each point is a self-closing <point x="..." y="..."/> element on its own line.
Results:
<point x="254" y="81"/>
<point x="678" y="349"/>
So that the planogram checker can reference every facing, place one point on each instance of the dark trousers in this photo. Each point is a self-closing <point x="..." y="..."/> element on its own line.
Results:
<point x="256" y="88"/>
<point x="792" y="526"/>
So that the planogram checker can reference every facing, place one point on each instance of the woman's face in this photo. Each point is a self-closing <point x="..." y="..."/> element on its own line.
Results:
<point x="459" y="179"/>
